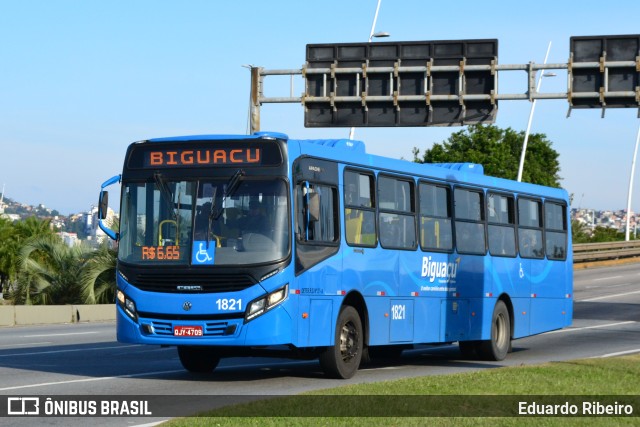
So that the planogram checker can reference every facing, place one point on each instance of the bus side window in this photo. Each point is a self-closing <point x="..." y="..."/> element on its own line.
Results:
<point x="555" y="230"/>
<point x="359" y="211"/>
<point x="469" y="212"/>
<point x="397" y="213"/>
<point x="501" y="228"/>
<point x="530" y="228"/>
<point x="317" y="213"/>
<point x="435" y="217"/>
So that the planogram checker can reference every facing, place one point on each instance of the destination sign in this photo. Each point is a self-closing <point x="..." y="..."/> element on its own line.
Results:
<point x="203" y="157"/>
<point x="199" y="154"/>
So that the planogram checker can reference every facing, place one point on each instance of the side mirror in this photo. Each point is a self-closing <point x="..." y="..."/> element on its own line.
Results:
<point x="103" y="204"/>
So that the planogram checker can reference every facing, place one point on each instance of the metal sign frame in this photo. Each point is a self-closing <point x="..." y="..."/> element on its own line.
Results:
<point x="604" y="66"/>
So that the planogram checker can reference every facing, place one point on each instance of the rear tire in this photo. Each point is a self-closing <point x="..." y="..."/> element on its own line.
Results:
<point x="343" y="358"/>
<point x="199" y="360"/>
<point x="499" y="345"/>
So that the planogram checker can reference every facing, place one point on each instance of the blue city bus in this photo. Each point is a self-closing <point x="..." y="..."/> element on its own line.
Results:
<point x="259" y="244"/>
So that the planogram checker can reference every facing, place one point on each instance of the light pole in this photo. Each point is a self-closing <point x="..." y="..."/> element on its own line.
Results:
<point x="533" y="107"/>
<point x="250" y="67"/>
<point x="371" y="36"/>
<point x="633" y="171"/>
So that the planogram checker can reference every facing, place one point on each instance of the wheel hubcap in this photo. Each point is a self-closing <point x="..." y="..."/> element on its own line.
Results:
<point x="348" y="342"/>
<point x="501" y="333"/>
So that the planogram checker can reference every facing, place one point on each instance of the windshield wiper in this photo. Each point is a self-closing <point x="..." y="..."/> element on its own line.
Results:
<point x="166" y="193"/>
<point x="230" y="188"/>
<point x="212" y="213"/>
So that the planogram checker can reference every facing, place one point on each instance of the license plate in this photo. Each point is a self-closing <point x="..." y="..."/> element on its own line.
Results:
<point x="187" y="331"/>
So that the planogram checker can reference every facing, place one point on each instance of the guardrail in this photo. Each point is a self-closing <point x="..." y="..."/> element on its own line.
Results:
<point x="587" y="252"/>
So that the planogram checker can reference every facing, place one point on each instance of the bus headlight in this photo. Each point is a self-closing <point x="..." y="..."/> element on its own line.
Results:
<point x="266" y="303"/>
<point x="127" y="305"/>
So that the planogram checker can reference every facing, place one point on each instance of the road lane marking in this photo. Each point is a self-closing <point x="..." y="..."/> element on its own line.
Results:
<point x="619" y="353"/>
<point x="36" y="353"/>
<point x="58" y="335"/>
<point x="609" y="286"/>
<point x="559" y="331"/>
<point x="607" y="278"/>
<point x="85" y="380"/>
<point x="609" y="296"/>
<point x="26" y="344"/>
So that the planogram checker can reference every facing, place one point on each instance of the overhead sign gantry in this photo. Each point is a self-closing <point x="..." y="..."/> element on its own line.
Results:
<point x="445" y="83"/>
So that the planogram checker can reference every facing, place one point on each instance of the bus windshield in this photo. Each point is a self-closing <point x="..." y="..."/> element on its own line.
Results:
<point x="224" y="221"/>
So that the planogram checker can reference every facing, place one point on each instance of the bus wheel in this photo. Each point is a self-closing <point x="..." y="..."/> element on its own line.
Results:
<point x="498" y="346"/>
<point x="343" y="358"/>
<point x="201" y="360"/>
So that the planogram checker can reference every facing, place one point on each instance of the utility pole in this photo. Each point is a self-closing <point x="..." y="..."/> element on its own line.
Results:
<point x="633" y="171"/>
<point x="533" y="107"/>
<point x="371" y="35"/>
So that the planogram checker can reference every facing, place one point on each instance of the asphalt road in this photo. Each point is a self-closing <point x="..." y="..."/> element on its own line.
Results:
<point x="85" y="359"/>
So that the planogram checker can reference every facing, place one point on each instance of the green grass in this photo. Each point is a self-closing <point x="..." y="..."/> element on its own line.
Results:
<point x="611" y="376"/>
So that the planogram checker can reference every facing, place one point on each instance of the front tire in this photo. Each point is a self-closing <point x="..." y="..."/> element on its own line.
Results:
<point x="343" y="358"/>
<point x="498" y="346"/>
<point x="199" y="360"/>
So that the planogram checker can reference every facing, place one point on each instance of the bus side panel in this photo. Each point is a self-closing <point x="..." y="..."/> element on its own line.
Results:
<point x="547" y="314"/>
<point x="550" y="296"/>
<point x="275" y="327"/>
<point x="521" y="317"/>
<point x="510" y="277"/>
<point x="428" y="320"/>
<point x="379" y="320"/>
<point x="455" y="322"/>
<point x="315" y="324"/>
<point x="318" y="287"/>
<point x="402" y="320"/>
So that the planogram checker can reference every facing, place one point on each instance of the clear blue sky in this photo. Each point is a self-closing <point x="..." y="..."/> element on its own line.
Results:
<point x="80" y="80"/>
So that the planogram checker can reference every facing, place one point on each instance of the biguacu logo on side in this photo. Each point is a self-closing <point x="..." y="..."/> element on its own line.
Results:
<point x="444" y="271"/>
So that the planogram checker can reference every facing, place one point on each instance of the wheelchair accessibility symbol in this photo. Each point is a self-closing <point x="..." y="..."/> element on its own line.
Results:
<point x="202" y="255"/>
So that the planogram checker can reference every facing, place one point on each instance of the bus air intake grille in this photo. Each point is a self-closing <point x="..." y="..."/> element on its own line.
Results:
<point x="210" y="328"/>
<point x="162" y="328"/>
<point x="217" y="328"/>
<point x="168" y="283"/>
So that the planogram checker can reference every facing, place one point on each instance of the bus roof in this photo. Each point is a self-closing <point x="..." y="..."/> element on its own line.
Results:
<point x="343" y="150"/>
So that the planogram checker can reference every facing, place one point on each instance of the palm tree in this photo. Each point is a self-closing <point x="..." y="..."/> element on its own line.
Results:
<point x="50" y="272"/>
<point x="8" y="254"/>
<point x="98" y="277"/>
<point x="33" y="227"/>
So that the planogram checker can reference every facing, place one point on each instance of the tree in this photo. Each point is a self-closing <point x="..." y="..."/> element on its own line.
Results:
<point x="12" y="237"/>
<point x="50" y="272"/>
<point x="498" y="151"/>
<point x="98" y="278"/>
<point x="33" y="227"/>
<point x="579" y="233"/>
<point x="8" y="253"/>
<point x="36" y="267"/>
